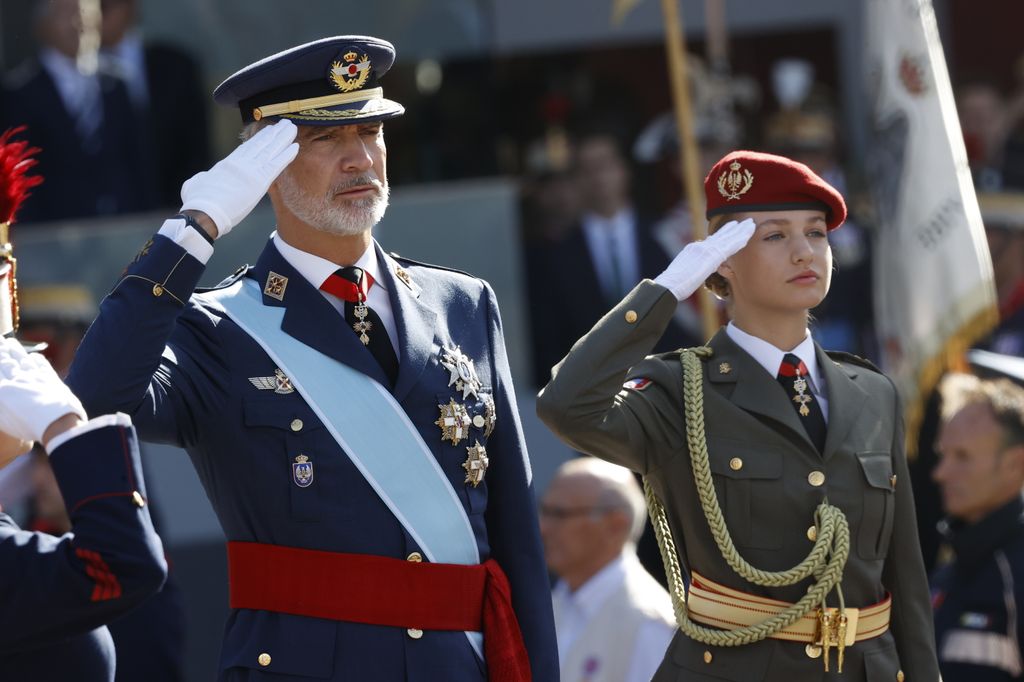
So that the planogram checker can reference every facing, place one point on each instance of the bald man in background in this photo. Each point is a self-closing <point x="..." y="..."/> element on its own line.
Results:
<point x="613" y="620"/>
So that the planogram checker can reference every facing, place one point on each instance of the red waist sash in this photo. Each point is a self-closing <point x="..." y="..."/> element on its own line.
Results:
<point x="362" y="588"/>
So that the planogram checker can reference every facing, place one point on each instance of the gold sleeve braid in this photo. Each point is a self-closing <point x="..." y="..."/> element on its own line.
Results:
<point x="825" y="561"/>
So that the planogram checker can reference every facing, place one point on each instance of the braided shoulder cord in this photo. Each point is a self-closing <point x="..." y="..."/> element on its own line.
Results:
<point x="825" y="560"/>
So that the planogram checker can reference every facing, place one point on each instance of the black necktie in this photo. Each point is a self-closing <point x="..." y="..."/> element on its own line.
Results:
<point x="369" y="325"/>
<point x="793" y="377"/>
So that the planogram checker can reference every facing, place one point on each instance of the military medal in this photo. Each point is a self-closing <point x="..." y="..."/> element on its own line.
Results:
<point x="279" y="383"/>
<point x="302" y="471"/>
<point x="476" y="464"/>
<point x="454" y="422"/>
<point x="463" y="375"/>
<point x="362" y="326"/>
<point x="490" y="415"/>
<point x="801" y="397"/>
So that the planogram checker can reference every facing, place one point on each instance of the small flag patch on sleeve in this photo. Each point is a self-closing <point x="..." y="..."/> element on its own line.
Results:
<point x="637" y="383"/>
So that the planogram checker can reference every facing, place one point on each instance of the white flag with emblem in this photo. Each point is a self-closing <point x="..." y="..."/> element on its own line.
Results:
<point x="933" y="287"/>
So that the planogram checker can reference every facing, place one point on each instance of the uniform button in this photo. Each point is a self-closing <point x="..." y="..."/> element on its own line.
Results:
<point x="816" y="478"/>
<point x="631" y="316"/>
<point x="812" y="533"/>
<point x="296" y="425"/>
<point x="415" y="557"/>
<point x="812" y="651"/>
<point x="899" y="676"/>
<point x="158" y="290"/>
<point x="707" y="656"/>
<point x="735" y="463"/>
<point x="263" y="659"/>
<point x="415" y="633"/>
<point x="478" y="421"/>
<point x="137" y="499"/>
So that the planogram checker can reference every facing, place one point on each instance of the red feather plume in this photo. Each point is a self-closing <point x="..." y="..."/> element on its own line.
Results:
<point x="15" y="162"/>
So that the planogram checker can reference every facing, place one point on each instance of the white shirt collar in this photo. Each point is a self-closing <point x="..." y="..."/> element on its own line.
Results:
<point x="621" y="221"/>
<point x="316" y="270"/>
<point x="589" y="597"/>
<point x="770" y="357"/>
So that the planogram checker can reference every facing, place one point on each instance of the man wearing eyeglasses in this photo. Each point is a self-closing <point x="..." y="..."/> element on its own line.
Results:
<point x="613" y="620"/>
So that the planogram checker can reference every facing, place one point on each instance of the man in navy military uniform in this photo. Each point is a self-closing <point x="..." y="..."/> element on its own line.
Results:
<point x="56" y="593"/>
<point x="350" y="414"/>
<point x="978" y="594"/>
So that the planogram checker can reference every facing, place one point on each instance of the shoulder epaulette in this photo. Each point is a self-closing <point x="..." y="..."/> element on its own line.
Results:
<point x="227" y="281"/>
<point x="853" y="359"/>
<point x="410" y="261"/>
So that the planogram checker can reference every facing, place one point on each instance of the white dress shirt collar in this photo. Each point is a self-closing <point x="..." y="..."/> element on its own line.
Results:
<point x="770" y="357"/>
<point x="316" y="270"/>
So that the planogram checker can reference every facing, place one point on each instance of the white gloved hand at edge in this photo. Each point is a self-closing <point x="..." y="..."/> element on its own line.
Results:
<point x="32" y="396"/>
<point x="691" y="266"/>
<point x="232" y="188"/>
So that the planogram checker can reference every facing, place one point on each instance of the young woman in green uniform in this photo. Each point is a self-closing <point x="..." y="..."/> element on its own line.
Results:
<point x="775" y="471"/>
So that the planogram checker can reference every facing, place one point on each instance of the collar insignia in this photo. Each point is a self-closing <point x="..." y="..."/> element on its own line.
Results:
<point x="275" y="285"/>
<point x="403" y="274"/>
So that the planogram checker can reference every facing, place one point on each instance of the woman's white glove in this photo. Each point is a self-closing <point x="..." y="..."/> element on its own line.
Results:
<point x="32" y="396"/>
<point x="232" y="188"/>
<point x="691" y="266"/>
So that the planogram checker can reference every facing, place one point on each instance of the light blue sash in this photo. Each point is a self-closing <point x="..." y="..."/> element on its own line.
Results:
<point x="371" y="428"/>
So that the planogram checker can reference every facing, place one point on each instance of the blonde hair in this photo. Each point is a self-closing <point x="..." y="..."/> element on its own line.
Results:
<point x="715" y="283"/>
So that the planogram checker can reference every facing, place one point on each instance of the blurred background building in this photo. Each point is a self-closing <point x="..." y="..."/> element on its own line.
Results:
<point x="482" y="165"/>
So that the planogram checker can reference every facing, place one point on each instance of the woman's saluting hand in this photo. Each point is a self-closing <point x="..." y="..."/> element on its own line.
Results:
<point x="698" y="260"/>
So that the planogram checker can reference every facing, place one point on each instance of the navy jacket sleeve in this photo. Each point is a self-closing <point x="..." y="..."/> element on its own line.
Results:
<point x="112" y="560"/>
<point x="512" y="523"/>
<point x="141" y="354"/>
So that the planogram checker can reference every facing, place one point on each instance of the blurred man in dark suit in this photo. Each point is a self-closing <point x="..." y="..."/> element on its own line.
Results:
<point x="575" y="280"/>
<point x="82" y="119"/>
<point x="166" y="90"/>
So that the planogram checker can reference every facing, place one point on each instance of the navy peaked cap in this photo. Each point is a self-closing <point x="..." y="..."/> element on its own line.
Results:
<point x="332" y="81"/>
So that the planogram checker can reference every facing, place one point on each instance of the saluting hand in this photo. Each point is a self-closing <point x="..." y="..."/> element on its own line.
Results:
<point x="32" y="396"/>
<point x="698" y="260"/>
<point x="232" y="188"/>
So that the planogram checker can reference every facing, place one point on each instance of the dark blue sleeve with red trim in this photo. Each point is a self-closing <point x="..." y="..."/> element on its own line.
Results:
<point x="51" y="588"/>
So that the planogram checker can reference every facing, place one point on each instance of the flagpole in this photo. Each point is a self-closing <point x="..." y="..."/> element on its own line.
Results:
<point x="675" y="45"/>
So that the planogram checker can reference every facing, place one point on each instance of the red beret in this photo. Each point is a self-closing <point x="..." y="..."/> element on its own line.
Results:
<point x="744" y="181"/>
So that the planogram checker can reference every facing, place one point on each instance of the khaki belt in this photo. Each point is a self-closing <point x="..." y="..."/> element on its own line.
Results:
<point x="711" y="603"/>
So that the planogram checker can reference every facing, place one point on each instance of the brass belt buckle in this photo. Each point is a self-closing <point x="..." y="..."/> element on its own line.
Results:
<point x="836" y="629"/>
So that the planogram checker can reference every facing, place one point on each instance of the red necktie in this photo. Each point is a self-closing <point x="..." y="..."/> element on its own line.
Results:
<point x="352" y="285"/>
<point x="793" y="377"/>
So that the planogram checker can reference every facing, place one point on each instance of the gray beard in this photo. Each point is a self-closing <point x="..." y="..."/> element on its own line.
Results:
<point x="353" y="218"/>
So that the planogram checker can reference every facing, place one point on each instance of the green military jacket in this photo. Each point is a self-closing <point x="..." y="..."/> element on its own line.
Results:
<point x="768" y="497"/>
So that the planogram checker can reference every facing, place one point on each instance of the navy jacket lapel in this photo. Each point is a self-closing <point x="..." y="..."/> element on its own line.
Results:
<point x="310" y="318"/>
<point x="415" y="322"/>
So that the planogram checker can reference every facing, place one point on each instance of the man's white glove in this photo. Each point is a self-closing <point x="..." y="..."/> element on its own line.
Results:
<point x="698" y="260"/>
<point x="32" y="396"/>
<point x="232" y="188"/>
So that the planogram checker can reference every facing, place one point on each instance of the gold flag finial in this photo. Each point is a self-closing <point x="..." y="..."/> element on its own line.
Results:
<point x="620" y="8"/>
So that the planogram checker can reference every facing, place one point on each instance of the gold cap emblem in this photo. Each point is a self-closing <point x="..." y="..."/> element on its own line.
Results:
<point x="735" y="182"/>
<point x="351" y="73"/>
